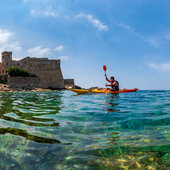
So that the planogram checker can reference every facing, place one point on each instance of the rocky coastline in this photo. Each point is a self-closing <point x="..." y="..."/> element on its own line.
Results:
<point x="7" y="88"/>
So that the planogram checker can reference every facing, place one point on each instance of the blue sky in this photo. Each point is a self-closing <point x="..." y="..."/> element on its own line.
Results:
<point x="131" y="37"/>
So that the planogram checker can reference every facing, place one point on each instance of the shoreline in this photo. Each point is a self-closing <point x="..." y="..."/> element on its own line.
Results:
<point x="6" y="88"/>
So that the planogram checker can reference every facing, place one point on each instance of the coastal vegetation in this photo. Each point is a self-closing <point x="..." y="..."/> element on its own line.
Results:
<point x="16" y="71"/>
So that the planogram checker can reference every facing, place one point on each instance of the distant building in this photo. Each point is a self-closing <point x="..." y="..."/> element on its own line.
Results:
<point x="48" y="71"/>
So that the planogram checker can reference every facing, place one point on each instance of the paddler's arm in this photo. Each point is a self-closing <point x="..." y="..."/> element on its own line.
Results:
<point x="109" y="84"/>
<point x="107" y="78"/>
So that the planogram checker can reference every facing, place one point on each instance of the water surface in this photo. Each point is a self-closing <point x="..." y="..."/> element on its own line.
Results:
<point x="61" y="130"/>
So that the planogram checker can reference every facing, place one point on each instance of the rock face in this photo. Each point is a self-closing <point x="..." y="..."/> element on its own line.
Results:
<point x="48" y="71"/>
<point x="69" y="83"/>
<point x="4" y="87"/>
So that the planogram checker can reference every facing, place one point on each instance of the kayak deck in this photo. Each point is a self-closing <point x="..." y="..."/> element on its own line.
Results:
<point x="84" y="91"/>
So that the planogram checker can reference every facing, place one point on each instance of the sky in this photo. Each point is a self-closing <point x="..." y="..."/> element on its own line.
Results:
<point x="132" y="38"/>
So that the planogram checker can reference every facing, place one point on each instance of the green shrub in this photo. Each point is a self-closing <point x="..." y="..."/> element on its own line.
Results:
<point x="16" y="71"/>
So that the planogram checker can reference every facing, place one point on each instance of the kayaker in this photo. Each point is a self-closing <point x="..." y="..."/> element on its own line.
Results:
<point x="113" y="83"/>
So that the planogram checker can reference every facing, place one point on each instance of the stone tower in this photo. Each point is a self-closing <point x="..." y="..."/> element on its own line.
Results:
<point x="6" y="61"/>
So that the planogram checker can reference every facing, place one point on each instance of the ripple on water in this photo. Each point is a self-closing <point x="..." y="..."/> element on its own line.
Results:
<point x="60" y="130"/>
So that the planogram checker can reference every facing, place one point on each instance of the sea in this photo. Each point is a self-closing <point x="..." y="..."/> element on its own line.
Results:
<point x="61" y="130"/>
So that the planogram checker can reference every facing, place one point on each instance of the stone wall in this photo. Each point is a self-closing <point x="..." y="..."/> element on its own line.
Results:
<point x="3" y="78"/>
<point x="23" y="82"/>
<point x="48" y="71"/>
<point x="69" y="83"/>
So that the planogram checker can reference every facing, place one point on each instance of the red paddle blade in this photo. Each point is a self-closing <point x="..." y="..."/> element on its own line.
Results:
<point x="104" y="68"/>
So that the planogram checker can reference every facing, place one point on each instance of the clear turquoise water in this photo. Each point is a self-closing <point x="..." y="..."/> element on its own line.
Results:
<point x="60" y="130"/>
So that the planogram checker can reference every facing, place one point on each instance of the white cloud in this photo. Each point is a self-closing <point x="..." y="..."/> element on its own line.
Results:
<point x="153" y="41"/>
<point x="5" y="36"/>
<point x="59" y="48"/>
<point x="63" y="57"/>
<point x="130" y="29"/>
<point x="8" y="44"/>
<point x="47" y="13"/>
<point x="38" y="51"/>
<point x="124" y="26"/>
<point x="95" y="22"/>
<point x="15" y="46"/>
<point x="160" y="67"/>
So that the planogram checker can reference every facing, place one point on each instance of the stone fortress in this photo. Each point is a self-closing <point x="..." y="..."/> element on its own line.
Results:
<point x="49" y="74"/>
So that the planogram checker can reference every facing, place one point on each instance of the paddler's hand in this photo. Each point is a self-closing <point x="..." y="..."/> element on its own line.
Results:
<point x="106" y="85"/>
<point x="105" y="75"/>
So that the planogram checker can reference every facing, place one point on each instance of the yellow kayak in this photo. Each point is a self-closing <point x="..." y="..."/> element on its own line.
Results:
<point x="84" y="91"/>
